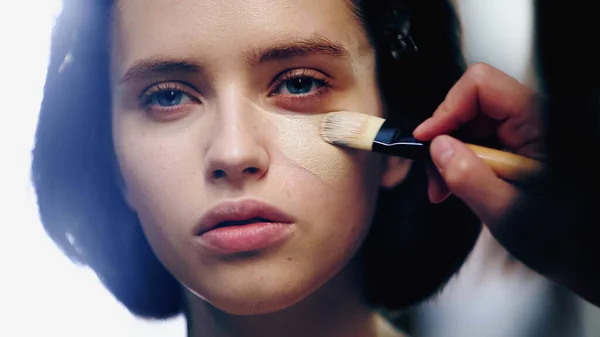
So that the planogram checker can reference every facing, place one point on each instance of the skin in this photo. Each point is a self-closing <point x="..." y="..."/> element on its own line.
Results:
<point x="485" y="102"/>
<point x="489" y="102"/>
<point x="178" y="161"/>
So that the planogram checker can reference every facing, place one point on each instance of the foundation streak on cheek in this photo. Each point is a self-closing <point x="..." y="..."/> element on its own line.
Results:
<point x="299" y="140"/>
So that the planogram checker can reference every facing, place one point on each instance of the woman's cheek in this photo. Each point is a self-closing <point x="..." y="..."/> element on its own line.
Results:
<point x="297" y="138"/>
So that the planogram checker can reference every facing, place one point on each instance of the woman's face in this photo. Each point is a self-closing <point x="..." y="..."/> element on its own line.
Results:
<point x="216" y="109"/>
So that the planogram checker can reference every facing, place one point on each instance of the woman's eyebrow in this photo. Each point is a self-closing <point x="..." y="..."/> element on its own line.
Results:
<point x="277" y="52"/>
<point x="157" y="66"/>
<point x="297" y="48"/>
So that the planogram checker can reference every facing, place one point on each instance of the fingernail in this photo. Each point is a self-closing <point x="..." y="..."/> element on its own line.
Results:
<point x="442" y="150"/>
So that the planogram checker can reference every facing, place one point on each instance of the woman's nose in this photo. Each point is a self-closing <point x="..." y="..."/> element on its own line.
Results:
<point x="236" y="151"/>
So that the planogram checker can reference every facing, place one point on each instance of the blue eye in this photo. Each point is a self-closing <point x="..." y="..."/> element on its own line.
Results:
<point x="167" y="98"/>
<point x="299" y="86"/>
<point x="169" y="101"/>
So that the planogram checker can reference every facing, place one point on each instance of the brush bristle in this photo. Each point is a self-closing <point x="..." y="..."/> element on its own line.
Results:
<point x="350" y="129"/>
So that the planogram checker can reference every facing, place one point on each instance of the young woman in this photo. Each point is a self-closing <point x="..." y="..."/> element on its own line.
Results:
<point x="178" y="155"/>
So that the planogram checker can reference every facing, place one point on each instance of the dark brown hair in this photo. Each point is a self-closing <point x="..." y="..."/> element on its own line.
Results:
<point x="413" y="248"/>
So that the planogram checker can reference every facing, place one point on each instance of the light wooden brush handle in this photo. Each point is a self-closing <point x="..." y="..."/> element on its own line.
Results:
<point x="508" y="165"/>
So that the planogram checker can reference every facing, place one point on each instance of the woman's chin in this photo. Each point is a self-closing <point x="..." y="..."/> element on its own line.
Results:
<point x="254" y="302"/>
<point x="250" y="307"/>
<point x="255" y="296"/>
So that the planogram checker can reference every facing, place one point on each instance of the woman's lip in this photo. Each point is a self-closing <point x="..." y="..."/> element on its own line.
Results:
<point x="231" y="211"/>
<point x="245" y="238"/>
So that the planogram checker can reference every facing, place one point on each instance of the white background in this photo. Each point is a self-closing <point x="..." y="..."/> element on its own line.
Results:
<point x="41" y="292"/>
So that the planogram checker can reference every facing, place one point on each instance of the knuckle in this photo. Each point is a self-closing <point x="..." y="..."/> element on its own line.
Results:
<point x="480" y="71"/>
<point x="459" y="172"/>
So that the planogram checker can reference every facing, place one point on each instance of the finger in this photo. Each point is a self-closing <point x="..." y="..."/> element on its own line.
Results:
<point x="481" y="90"/>
<point x="436" y="188"/>
<point x="534" y="150"/>
<point x="470" y="179"/>
<point x="482" y="127"/>
<point x="517" y="133"/>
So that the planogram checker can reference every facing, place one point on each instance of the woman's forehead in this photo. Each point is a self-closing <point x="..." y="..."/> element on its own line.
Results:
<point x="216" y="30"/>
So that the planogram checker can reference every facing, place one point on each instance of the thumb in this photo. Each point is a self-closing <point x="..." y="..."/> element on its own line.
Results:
<point x="472" y="180"/>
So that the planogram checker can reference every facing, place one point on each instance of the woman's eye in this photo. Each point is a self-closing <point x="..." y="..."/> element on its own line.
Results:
<point x="300" y="90"/>
<point x="299" y="86"/>
<point x="168" y="98"/>
<point x="169" y="101"/>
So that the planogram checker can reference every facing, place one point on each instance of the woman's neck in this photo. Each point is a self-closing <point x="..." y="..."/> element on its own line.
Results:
<point x="336" y="309"/>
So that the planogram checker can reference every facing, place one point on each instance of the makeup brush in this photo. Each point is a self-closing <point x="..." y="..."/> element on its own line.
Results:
<point x="365" y="132"/>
